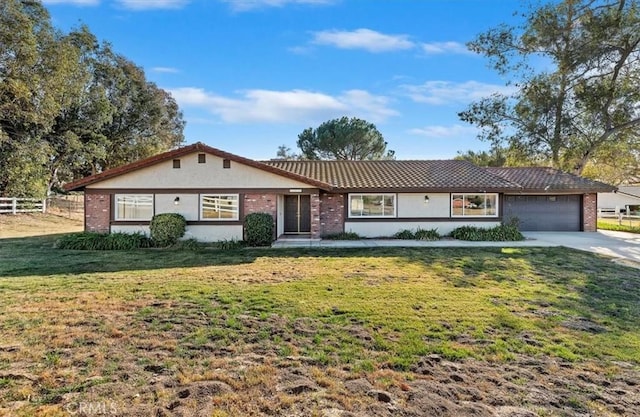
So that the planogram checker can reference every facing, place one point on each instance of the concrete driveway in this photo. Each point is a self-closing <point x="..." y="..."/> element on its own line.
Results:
<point x="621" y="245"/>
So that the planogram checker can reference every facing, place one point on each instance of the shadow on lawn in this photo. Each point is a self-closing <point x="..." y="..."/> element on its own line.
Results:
<point x="603" y="288"/>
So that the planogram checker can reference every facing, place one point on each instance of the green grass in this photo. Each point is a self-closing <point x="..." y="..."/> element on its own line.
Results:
<point x="361" y="309"/>
<point x="626" y="226"/>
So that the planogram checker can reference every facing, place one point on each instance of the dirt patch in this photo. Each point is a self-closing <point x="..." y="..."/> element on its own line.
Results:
<point x="177" y="375"/>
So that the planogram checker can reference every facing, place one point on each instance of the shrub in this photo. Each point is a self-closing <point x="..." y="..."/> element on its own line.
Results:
<point x="229" y="244"/>
<point x="343" y="236"/>
<point x="503" y="232"/>
<point x="258" y="229"/>
<point x="167" y="228"/>
<point x="404" y="234"/>
<point x="430" y="234"/>
<point x="101" y="241"/>
<point x="188" y="244"/>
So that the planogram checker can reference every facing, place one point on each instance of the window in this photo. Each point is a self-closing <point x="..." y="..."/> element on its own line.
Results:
<point x="226" y="163"/>
<point x="219" y="207"/>
<point x="474" y="205"/>
<point x="176" y="163"/>
<point x="372" y="205"/>
<point x="134" y="207"/>
<point x="202" y="158"/>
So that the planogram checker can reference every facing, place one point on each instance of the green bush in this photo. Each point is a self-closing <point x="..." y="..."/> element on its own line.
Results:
<point x="167" y="228"/>
<point x="503" y="232"/>
<point x="102" y="241"/>
<point x="188" y="244"/>
<point x="229" y="244"/>
<point x="430" y="234"/>
<point x="343" y="236"/>
<point x="258" y="229"/>
<point x="405" y="234"/>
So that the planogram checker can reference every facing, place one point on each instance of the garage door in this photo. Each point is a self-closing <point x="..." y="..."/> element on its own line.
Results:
<point x="544" y="212"/>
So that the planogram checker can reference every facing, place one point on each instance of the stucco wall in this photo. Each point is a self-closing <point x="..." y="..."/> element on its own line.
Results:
<point x="191" y="174"/>
<point x="213" y="233"/>
<point x="388" y="229"/>
<point x="188" y="206"/>
<point x="413" y="205"/>
<point x="203" y="233"/>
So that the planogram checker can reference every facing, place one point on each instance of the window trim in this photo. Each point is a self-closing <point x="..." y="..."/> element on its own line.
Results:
<point x="116" y="211"/>
<point x="394" y="196"/>
<point x="219" y="219"/>
<point x="464" y="195"/>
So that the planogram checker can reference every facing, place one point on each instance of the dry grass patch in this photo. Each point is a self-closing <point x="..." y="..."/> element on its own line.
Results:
<point x="37" y="224"/>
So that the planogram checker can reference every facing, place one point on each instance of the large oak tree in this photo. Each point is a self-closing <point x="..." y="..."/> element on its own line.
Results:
<point x="575" y="69"/>
<point x="70" y="106"/>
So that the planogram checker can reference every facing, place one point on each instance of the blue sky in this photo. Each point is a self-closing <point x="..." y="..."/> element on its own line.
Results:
<point x="250" y="75"/>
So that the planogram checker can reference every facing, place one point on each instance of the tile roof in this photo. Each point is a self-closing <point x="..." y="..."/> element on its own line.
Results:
<point x="398" y="175"/>
<point x="386" y="175"/>
<point x="546" y="179"/>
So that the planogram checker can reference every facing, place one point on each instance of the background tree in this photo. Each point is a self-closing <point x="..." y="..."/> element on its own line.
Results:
<point x="70" y="106"/>
<point x="285" y="153"/>
<point x="583" y="100"/>
<point x="344" y="138"/>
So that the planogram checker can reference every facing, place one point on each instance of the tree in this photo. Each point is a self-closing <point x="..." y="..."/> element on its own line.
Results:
<point x="587" y="99"/>
<point x="493" y="158"/>
<point x="344" y="138"/>
<point x="70" y="106"/>
<point x="284" y="153"/>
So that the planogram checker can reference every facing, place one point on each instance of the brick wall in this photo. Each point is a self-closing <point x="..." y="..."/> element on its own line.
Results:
<point x="97" y="212"/>
<point x="331" y="213"/>
<point x="261" y="203"/>
<point x="589" y="212"/>
<point x="316" y="229"/>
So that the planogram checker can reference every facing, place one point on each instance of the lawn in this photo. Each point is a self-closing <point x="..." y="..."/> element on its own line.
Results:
<point x="549" y="331"/>
<point x="631" y="226"/>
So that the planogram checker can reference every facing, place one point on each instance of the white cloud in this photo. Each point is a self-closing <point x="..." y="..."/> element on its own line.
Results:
<point x="445" y="132"/>
<point x="246" y="5"/>
<point x="433" y="48"/>
<point x="166" y="70"/>
<point x="73" y="2"/>
<point x="152" y="4"/>
<point x="447" y="92"/>
<point x="366" y="39"/>
<point x="268" y="106"/>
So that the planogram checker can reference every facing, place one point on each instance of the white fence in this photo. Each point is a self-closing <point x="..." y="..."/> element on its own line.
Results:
<point x="618" y="213"/>
<point x="22" y="205"/>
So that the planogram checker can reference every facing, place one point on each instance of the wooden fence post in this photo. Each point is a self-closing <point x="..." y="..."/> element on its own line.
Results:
<point x="14" y="206"/>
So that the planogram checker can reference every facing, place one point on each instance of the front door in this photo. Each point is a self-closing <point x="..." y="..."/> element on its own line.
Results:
<point x="297" y="214"/>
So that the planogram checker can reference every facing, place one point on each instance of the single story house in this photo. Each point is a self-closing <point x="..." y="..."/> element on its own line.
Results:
<point x="214" y="190"/>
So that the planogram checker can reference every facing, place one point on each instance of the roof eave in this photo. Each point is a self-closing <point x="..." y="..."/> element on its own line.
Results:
<point x="81" y="184"/>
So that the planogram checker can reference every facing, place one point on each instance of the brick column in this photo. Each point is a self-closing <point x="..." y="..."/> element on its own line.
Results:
<point x="331" y="213"/>
<point x="97" y="212"/>
<point x="589" y="212"/>
<point x="262" y="203"/>
<point x="316" y="229"/>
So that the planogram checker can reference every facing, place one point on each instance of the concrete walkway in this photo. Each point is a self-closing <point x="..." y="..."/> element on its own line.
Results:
<point x="620" y="245"/>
